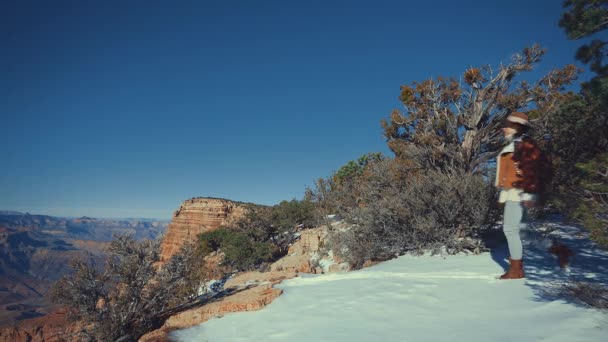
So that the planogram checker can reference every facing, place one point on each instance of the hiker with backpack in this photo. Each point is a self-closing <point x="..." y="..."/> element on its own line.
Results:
<point x="519" y="176"/>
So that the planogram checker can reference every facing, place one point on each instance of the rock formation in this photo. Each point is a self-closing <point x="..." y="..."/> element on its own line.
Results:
<point x="54" y="327"/>
<point x="195" y="216"/>
<point x="310" y="255"/>
<point x="251" y="291"/>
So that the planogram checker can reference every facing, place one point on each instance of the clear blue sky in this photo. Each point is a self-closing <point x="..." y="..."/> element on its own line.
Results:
<point x="127" y="108"/>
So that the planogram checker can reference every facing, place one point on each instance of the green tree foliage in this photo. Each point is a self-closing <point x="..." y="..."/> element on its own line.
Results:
<point x="278" y="224"/>
<point x="241" y="252"/>
<point x="580" y="126"/>
<point x="593" y="211"/>
<point x="354" y="169"/>
<point x="585" y="196"/>
<point x="262" y="236"/>
<point x="133" y="293"/>
<point x="579" y="130"/>
<point x="586" y="18"/>
<point x="340" y="192"/>
<point x="290" y="214"/>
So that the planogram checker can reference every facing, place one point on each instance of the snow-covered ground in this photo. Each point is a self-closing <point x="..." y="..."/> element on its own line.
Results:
<point x="430" y="298"/>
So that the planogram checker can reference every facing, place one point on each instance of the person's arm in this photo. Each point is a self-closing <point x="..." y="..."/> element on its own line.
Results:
<point x="528" y="200"/>
<point x="528" y="159"/>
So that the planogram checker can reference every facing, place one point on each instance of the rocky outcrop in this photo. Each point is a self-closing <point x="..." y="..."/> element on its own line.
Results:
<point x="53" y="327"/>
<point x="198" y="215"/>
<point x="250" y="291"/>
<point x="310" y="255"/>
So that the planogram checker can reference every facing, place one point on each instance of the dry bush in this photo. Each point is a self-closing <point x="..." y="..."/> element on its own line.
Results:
<point x="132" y="294"/>
<point x="397" y="209"/>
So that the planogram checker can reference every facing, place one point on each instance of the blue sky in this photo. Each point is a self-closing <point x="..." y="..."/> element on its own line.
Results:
<point x="127" y="108"/>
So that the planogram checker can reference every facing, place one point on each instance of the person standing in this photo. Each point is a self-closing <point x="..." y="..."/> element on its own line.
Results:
<point x="519" y="178"/>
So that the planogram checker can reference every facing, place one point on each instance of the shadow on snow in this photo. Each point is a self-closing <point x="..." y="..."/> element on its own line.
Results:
<point x="549" y="282"/>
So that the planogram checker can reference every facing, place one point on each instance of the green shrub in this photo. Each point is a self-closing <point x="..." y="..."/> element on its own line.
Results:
<point x="592" y="211"/>
<point x="240" y="250"/>
<point x="212" y="241"/>
<point x="278" y="224"/>
<point x="578" y="151"/>
<point x="263" y="235"/>
<point x="354" y="169"/>
<point x="289" y="214"/>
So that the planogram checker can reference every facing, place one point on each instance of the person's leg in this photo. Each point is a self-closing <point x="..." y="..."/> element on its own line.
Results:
<point x="513" y="215"/>
<point x="512" y="220"/>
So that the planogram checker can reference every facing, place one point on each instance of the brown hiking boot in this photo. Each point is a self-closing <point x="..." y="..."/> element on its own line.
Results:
<point x="516" y="270"/>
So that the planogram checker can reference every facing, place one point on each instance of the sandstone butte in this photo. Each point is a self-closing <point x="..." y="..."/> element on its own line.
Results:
<point x="196" y="216"/>
<point x="249" y="291"/>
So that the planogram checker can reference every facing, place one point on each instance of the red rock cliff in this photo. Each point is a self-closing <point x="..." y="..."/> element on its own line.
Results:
<point x="195" y="216"/>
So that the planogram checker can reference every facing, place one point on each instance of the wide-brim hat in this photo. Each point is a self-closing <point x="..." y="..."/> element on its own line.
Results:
<point x="518" y="118"/>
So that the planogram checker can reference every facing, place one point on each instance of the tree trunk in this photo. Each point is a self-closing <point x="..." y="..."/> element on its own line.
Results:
<point x="467" y="147"/>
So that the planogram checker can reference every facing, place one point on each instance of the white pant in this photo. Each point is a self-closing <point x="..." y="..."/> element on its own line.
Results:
<point x="512" y="222"/>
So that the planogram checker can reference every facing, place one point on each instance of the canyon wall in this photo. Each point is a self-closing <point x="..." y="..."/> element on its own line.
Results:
<point x="198" y="215"/>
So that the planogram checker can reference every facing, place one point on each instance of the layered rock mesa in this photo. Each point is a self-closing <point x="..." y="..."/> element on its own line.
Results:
<point x="196" y="216"/>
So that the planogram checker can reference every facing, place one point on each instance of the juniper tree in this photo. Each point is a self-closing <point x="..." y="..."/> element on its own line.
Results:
<point x="450" y="124"/>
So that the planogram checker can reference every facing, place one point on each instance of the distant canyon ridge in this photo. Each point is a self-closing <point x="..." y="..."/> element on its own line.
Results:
<point x="35" y="251"/>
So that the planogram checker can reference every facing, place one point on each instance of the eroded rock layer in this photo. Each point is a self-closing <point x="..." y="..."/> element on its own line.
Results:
<point x="198" y="215"/>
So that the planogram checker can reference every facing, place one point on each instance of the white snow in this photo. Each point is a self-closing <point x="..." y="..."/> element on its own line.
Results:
<point x="327" y="262"/>
<point x="428" y="298"/>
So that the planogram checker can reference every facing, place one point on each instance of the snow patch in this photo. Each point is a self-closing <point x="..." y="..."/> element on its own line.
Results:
<point x="427" y="298"/>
